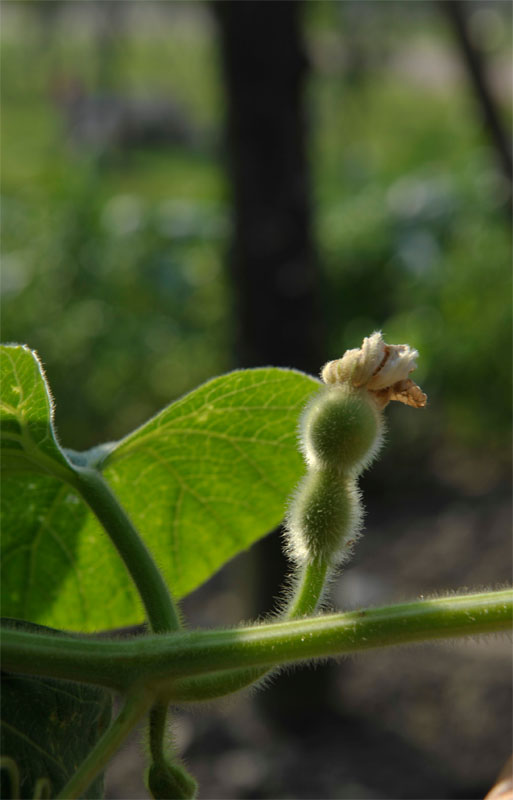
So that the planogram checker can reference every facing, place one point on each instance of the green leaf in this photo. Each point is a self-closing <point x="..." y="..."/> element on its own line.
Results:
<point x="58" y="566"/>
<point x="211" y="474"/>
<point x="53" y="550"/>
<point x="48" y="727"/>
<point x="27" y="436"/>
<point x="202" y="480"/>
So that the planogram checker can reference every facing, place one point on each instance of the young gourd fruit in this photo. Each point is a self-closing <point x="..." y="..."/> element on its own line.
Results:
<point x="325" y="509"/>
<point x="341" y="431"/>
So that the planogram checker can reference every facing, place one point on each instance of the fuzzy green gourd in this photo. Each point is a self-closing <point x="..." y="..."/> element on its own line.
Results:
<point x="341" y="431"/>
<point x="325" y="510"/>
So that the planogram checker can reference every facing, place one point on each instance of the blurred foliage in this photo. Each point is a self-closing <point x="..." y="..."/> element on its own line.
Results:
<point x="114" y="256"/>
<point x="421" y="248"/>
<point x="412" y="208"/>
<point x="113" y="265"/>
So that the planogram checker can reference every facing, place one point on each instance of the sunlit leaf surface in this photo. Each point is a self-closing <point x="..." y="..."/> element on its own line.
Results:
<point x="202" y="480"/>
<point x="26" y="415"/>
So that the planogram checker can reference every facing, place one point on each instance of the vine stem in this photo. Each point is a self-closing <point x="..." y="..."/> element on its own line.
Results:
<point x="136" y="705"/>
<point x="306" y="596"/>
<point x="157" y="731"/>
<point x="309" y="589"/>
<point x="160" y="609"/>
<point x="165" y="662"/>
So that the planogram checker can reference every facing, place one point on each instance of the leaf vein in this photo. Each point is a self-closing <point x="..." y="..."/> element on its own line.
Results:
<point x="33" y="744"/>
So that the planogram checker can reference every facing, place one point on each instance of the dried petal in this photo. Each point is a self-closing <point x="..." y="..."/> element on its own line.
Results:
<point x="381" y="368"/>
<point x="357" y="366"/>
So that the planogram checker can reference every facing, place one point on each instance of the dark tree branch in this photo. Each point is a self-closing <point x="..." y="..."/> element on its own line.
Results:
<point x="455" y="11"/>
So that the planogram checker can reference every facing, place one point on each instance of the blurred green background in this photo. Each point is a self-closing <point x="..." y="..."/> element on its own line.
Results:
<point x="115" y="246"/>
<point x="117" y="223"/>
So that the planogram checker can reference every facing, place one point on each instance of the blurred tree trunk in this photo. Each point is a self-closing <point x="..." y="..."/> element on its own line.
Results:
<point x="273" y="264"/>
<point x="272" y="261"/>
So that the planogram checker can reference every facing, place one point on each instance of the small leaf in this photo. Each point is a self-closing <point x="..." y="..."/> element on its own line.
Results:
<point x="171" y="781"/>
<point x="49" y="727"/>
<point x="27" y="436"/>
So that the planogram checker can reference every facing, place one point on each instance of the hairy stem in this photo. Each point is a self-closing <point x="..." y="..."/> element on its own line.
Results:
<point x="157" y="732"/>
<point x="135" y="707"/>
<point x="309" y="589"/>
<point x="305" y="599"/>
<point x="160" y="608"/>
<point x="167" y="661"/>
